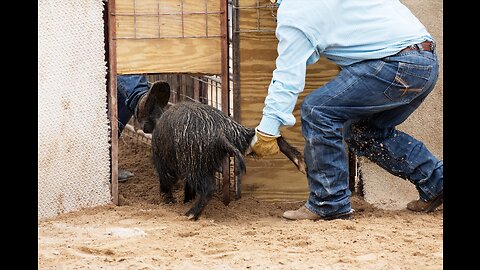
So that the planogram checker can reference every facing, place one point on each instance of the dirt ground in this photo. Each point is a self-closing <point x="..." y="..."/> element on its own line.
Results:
<point x="144" y="233"/>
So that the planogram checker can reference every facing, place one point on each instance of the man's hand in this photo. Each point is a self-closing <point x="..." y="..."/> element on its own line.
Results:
<point x="264" y="144"/>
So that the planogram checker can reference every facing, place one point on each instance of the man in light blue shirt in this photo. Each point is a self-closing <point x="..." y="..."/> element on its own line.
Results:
<point x="388" y="67"/>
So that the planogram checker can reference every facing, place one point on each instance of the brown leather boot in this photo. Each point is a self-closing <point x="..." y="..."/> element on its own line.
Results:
<point x="426" y="206"/>
<point x="304" y="213"/>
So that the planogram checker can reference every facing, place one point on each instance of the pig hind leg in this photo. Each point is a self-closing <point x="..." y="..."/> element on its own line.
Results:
<point x="166" y="178"/>
<point x="167" y="183"/>
<point x="189" y="193"/>
<point x="204" y="192"/>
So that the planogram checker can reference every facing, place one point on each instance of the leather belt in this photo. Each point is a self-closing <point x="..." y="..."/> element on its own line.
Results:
<point x="424" y="46"/>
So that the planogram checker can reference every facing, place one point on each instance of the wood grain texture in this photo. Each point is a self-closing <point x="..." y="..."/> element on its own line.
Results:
<point x="256" y="19"/>
<point x="168" y="56"/>
<point x="149" y="36"/>
<point x="257" y="62"/>
<point x="165" y="26"/>
<point x="165" y="6"/>
<point x="275" y="177"/>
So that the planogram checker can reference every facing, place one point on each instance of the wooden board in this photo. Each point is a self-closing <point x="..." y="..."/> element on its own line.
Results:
<point x="257" y="62"/>
<point x="168" y="56"/>
<point x="273" y="178"/>
<point x="282" y="182"/>
<point x="250" y="18"/>
<point x="164" y="6"/>
<point x="160" y="36"/>
<point x="167" y="18"/>
<point x="168" y="26"/>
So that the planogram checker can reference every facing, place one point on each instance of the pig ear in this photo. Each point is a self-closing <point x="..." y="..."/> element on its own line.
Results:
<point x="163" y="92"/>
<point x="158" y="95"/>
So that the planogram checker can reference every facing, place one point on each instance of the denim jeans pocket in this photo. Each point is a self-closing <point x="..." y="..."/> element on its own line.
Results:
<point x="409" y="82"/>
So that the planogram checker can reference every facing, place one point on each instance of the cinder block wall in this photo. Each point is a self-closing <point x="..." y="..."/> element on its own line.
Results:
<point x="426" y="124"/>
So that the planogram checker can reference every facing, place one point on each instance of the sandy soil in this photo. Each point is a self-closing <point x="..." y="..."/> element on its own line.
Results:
<point x="144" y="233"/>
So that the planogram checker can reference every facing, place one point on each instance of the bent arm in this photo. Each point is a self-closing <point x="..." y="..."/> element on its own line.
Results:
<point x="294" y="49"/>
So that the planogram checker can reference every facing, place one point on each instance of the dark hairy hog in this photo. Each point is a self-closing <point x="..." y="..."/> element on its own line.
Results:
<point x="190" y="142"/>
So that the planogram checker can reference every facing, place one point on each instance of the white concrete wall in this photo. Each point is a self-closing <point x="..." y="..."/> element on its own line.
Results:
<point x="73" y="126"/>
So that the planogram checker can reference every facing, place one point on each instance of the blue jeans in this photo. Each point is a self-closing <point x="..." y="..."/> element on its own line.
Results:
<point x="362" y="106"/>
<point x="129" y="90"/>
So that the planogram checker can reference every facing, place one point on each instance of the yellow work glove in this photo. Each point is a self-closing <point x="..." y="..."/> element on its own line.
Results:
<point x="264" y="144"/>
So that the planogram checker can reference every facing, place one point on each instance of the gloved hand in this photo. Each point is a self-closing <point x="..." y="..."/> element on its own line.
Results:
<point x="264" y="144"/>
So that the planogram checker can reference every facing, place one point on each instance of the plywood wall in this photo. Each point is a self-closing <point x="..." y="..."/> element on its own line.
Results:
<point x="271" y="178"/>
<point x="168" y="36"/>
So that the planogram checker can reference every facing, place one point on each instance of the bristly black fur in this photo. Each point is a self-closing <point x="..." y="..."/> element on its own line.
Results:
<point x="190" y="141"/>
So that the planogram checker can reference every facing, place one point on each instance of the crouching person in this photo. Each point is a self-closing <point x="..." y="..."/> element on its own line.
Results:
<point x="139" y="98"/>
<point x="388" y="67"/>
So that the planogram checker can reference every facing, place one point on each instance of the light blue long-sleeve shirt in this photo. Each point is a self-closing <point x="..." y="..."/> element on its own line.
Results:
<point x="343" y="31"/>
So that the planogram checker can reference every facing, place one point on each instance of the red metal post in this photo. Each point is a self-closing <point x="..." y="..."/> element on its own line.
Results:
<point x="112" y="98"/>
<point x="225" y="86"/>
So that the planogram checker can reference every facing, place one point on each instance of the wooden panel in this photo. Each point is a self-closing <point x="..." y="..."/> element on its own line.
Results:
<point x="253" y="3"/>
<point x="200" y="5"/>
<point x="260" y="18"/>
<point x="146" y="27"/>
<point x="168" y="56"/>
<point x="166" y="18"/>
<point x="155" y="36"/>
<point x="171" y="25"/>
<point x="165" y="6"/>
<point x="124" y="27"/>
<point x="273" y="178"/>
<point x="257" y="62"/>
<point x="201" y="25"/>
<point x="124" y="6"/>
<point x="168" y="25"/>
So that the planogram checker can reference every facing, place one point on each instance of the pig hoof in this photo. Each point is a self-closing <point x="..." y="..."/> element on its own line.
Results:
<point x="191" y="215"/>
<point x="169" y="200"/>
